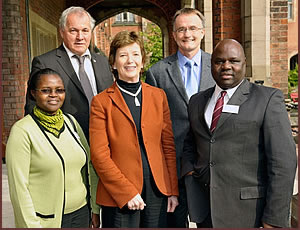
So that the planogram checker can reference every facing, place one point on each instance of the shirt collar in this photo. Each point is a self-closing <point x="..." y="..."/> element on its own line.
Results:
<point x="229" y="92"/>
<point x="183" y="59"/>
<point x="71" y="54"/>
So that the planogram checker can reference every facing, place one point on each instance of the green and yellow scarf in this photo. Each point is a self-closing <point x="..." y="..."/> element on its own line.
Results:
<point x="52" y="123"/>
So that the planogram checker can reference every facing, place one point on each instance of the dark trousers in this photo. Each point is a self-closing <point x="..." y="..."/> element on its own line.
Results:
<point x="207" y="223"/>
<point x="178" y="219"/>
<point x="154" y="214"/>
<point x="77" y="219"/>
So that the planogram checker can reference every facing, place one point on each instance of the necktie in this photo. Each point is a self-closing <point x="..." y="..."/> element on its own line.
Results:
<point x="85" y="82"/>
<point x="217" y="111"/>
<point x="191" y="81"/>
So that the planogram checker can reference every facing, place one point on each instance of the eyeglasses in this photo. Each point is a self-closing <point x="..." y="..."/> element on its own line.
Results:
<point x="49" y="91"/>
<point x="192" y="29"/>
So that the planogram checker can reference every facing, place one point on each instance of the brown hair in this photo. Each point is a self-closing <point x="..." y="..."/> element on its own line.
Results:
<point x="188" y="11"/>
<point x="124" y="38"/>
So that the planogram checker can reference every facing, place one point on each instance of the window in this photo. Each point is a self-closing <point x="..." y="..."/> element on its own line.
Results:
<point x="43" y="35"/>
<point x="290" y="9"/>
<point x="119" y="18"/>
<point x="125" y="17"/>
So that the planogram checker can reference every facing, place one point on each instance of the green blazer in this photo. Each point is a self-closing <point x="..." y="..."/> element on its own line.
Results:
<point x="36" y="174"/>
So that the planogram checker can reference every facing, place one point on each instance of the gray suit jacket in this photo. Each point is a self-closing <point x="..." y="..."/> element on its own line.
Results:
<point x="166" y="75"/>
<point x="249" y="160"/>
<point x="76" y="103"/>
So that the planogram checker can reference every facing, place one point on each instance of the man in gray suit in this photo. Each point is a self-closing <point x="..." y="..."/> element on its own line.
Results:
<point x="239" y="157"/>
<point x="173" y="75"/>
<point x="75" y="26"/>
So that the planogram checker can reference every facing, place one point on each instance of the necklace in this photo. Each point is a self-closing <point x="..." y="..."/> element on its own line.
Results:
<point x="136" y="101"/>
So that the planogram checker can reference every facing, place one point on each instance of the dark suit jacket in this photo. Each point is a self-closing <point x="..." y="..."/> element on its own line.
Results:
<point x="166" y="75"/>
<point x="115" y="149"/>
<point x="76" y="103"/>
<point x="250" y="159"/>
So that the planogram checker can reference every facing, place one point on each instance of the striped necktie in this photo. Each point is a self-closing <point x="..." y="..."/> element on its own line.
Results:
<point x="217" y="111"/>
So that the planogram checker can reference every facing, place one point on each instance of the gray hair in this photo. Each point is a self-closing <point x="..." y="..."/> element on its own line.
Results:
<point x="188" y="11"/>
<point x="72" y="10"/>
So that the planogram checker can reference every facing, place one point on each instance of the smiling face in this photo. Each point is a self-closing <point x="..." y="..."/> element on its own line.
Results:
<point x="128" y="62"/>
<point x="228" y="64"/>
<point x="49" y="102"/>
<point x="77" y="33"/>
<point x="188" y="41"/>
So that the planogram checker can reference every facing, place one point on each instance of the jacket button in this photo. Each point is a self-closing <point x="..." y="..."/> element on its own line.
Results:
<point x="212" y="164"/>
<point x="212" y="140"/>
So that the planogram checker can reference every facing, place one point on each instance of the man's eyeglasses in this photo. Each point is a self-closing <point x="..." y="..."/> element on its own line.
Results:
<point x="192" y="29"/>
<point x="49" y="91"/>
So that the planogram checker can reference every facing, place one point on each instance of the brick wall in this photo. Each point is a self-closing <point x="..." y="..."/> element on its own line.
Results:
<point x="105" y="34"/>
<point x="278" y="43"/>
<point x="14" y="62"/>
<point x="226" y="20"/>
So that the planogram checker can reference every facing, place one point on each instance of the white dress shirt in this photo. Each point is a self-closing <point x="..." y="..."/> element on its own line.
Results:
<point x="209" y="110"/>
<point x="88" y="67"/>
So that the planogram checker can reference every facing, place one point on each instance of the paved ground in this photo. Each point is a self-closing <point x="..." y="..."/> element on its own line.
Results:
<point x="7" y="211"/>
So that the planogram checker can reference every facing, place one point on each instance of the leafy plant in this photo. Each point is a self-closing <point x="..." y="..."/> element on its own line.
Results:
<point x="293" y="79"/>
<point x="153" y="45"/>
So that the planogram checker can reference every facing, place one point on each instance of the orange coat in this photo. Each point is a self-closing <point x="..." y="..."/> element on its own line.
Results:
<point x="115" y="150"/>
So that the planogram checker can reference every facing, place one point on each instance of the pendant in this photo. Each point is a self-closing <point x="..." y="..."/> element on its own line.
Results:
<point x="137" y="103"/>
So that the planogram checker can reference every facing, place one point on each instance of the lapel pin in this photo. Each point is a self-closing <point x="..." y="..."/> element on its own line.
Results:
<point x="94" y="60"/>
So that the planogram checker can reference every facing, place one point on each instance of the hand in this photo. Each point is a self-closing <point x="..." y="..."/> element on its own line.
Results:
<point x="95" y="220"/>
<point x="172" y="203"/>
<point x="136" y="203"/>
<point x="265" y="225"/>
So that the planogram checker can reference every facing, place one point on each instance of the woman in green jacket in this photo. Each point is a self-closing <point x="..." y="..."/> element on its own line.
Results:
<point x="48" y="162"/>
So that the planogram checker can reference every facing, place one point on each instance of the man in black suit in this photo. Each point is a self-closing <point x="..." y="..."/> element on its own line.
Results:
<point x="172" y="75"/>
<point x="75" y="26"/>
<point x="239" y="157"/>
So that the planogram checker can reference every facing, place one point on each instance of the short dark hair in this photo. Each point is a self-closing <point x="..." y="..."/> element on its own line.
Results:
<point x="33" y="82"/>
<point x="188" y="11"/>
<point x="122" y="39"/>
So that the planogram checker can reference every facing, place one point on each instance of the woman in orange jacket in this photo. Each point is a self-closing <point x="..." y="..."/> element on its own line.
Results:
<point x="132" y="144"/>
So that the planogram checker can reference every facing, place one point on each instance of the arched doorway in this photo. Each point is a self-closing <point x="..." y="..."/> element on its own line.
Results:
<point x="159" y="12"/>
<point x="293" y="61"/>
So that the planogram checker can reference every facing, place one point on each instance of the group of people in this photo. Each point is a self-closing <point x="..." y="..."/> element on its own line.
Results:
<point x="196" y="139"/>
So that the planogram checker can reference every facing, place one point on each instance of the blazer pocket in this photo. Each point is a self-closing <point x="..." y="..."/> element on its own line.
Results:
<point x="252" y="192"/>
<point x="45" y="216"/>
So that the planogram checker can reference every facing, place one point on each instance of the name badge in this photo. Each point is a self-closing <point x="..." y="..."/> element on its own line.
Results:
<point x="231" y="109"/>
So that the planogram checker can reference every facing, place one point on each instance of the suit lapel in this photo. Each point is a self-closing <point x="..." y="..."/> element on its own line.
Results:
<point x="98" y="69"/>
<point x="202" y="104"/>
<point x="116" y="96"/>
<point x="65" y="63"/>
<point x="146" y="93"/>
<point x="206" y="78"/>
<point x="175" y="75"/>
<point x="238" y="98"/>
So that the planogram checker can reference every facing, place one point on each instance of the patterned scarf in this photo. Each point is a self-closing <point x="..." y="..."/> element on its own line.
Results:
<point x="52" y="123"/>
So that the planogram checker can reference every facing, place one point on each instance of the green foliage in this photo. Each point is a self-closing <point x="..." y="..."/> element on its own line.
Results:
<point x="293" y="79"/>
<point x="153" y="45"/>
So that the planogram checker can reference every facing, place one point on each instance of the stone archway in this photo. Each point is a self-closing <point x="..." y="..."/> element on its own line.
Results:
<point x="158" y="11"/>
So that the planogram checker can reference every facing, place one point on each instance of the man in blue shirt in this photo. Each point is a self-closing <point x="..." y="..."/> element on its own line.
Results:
<point x="181" y="75"/>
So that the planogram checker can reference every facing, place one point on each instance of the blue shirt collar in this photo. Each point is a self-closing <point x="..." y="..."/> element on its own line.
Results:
<point x="183" y="59"/>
